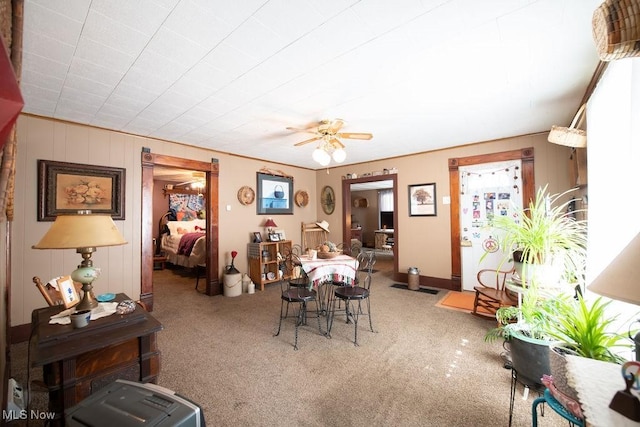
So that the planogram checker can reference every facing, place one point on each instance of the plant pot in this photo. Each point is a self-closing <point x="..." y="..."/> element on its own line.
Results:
<point x="558" y="365"/>
<point x="529" y="358"/>
<point x="545" y="275"/>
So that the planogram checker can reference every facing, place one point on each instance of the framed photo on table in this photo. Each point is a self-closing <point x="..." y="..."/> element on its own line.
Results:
<point x="68" y="291"/>
<point x="274" y="237"/>
<point x="65" y="188"/>
<point x="422" y="199"/>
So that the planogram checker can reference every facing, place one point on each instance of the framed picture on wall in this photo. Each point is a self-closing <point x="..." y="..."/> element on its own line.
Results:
<point x="422" y="199"/>
<point x="65" y="188"/>
<point x="275" y="194"/>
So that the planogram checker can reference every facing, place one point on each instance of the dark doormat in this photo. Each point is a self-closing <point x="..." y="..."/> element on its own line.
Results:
<point x="425" y="290"/>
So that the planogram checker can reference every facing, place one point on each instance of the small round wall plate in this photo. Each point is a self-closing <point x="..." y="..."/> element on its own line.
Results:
<point x="302" y="198"/>
<point x="246" y="195"/>
<point x="106" y="297"/>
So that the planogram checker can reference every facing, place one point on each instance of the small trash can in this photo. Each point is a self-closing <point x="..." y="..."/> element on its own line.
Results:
<point x="232" y="282"/>
<point x="413" y="281"/>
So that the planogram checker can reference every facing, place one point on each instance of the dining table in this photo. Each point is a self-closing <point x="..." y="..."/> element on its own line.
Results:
<point x="326" y="272"/>
<point x="338" y="269"/>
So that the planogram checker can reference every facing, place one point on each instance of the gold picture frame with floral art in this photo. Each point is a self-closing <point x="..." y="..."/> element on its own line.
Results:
<point x="66" y="188"/>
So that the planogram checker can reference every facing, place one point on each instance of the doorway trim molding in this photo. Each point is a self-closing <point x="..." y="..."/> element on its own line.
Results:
<point x="211" y="170"/>
<point x="525" y="155"/>
<point x="346" y="212"/>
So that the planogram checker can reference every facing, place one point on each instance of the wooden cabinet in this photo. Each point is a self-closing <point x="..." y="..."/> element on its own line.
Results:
<point x="263" y="261"/>
<point x="356" y="233"/>
<point x="78" y="362"/>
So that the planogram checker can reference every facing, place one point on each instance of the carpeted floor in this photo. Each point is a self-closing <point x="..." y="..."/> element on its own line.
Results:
<point x="424" y="366"/>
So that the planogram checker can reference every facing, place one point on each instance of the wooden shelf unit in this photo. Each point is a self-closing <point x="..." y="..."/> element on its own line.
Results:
<point x="263" y="259"/>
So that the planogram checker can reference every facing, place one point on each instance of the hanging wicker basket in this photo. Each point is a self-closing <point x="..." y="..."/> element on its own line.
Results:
<point x="570" y="136"/>
<point x="616" y="29"/>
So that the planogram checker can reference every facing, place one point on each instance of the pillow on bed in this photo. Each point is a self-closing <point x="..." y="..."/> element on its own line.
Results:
<point x="183" y="227"/>
<point x="174" y="225"/>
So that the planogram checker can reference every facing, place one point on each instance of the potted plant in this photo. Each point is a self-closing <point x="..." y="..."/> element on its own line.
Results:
<point x="552" y="250"/>
<point x="582" y="328"/>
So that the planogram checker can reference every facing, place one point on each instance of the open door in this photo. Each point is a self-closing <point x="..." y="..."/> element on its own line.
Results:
<point x="525" y="156"/>
<point x="211" y="170"/>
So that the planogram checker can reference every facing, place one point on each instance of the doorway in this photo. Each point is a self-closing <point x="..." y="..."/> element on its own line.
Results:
<point x="347" y="209"/>
<point x="487" y="191"/>
<point x="525" y="155"/>
<point x="211" y="170"/>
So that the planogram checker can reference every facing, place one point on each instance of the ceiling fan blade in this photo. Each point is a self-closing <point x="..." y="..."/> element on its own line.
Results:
<point x="336" y="142"/>
<point x="352" y="135"/>
<point x="308" y="130"/>
<point x="335" y="125"/>
<point x="306" y="141"/>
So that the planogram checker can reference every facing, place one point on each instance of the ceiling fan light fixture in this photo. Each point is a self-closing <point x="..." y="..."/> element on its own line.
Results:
<point x="323" y="157"/>
<point x="339" y="155"/>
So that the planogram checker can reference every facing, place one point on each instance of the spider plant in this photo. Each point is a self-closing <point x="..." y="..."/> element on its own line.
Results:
<point x="545" y="233"/>
<point x="547" y="238"/>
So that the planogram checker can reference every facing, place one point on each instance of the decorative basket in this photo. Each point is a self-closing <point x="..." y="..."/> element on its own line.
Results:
<point x="328" y="255"/>
<point x="570" y="136"/>
<point x="616" y="29"/>
<point x="278" y="192"/>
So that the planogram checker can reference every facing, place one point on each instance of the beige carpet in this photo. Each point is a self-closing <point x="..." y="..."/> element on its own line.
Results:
<point x="425" y="366"/>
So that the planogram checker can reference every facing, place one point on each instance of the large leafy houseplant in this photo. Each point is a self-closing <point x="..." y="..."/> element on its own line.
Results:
<point x="547" y="237"/>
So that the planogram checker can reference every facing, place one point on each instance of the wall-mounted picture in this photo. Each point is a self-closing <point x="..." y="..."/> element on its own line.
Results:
<point x="65" y="188"/>
<point x="275" y="194"/>
<point x="422" y="199"/>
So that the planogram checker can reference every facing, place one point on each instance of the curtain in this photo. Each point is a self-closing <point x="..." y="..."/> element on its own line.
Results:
<point x="385" y="200"/>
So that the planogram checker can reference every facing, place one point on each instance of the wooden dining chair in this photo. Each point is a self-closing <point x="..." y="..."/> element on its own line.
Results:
<point x="491" y="293"/>
<point x="312" y="235"/>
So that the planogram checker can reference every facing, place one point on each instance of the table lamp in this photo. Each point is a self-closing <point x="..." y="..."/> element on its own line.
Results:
<point x="269" y="225"/>
<point x="620" y="281"/>
<point x="83" y="232"/>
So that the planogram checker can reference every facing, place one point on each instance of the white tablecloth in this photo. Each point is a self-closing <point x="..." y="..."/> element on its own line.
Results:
<point x="596" y="383"/>
<point x="341" y="268"/>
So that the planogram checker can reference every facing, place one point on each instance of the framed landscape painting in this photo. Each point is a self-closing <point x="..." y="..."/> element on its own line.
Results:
<point x="422" y="199"/>
<point x="66" y="188"/>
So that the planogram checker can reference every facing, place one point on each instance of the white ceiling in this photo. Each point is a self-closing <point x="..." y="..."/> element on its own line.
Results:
<point x="231" y="75"/>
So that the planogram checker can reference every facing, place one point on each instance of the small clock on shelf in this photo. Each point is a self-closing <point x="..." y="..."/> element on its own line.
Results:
<point x="328" y="200"/>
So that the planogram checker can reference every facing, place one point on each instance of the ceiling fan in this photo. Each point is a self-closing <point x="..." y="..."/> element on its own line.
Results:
<point x="328" y="130"/>
<point x="197" y="182"/>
